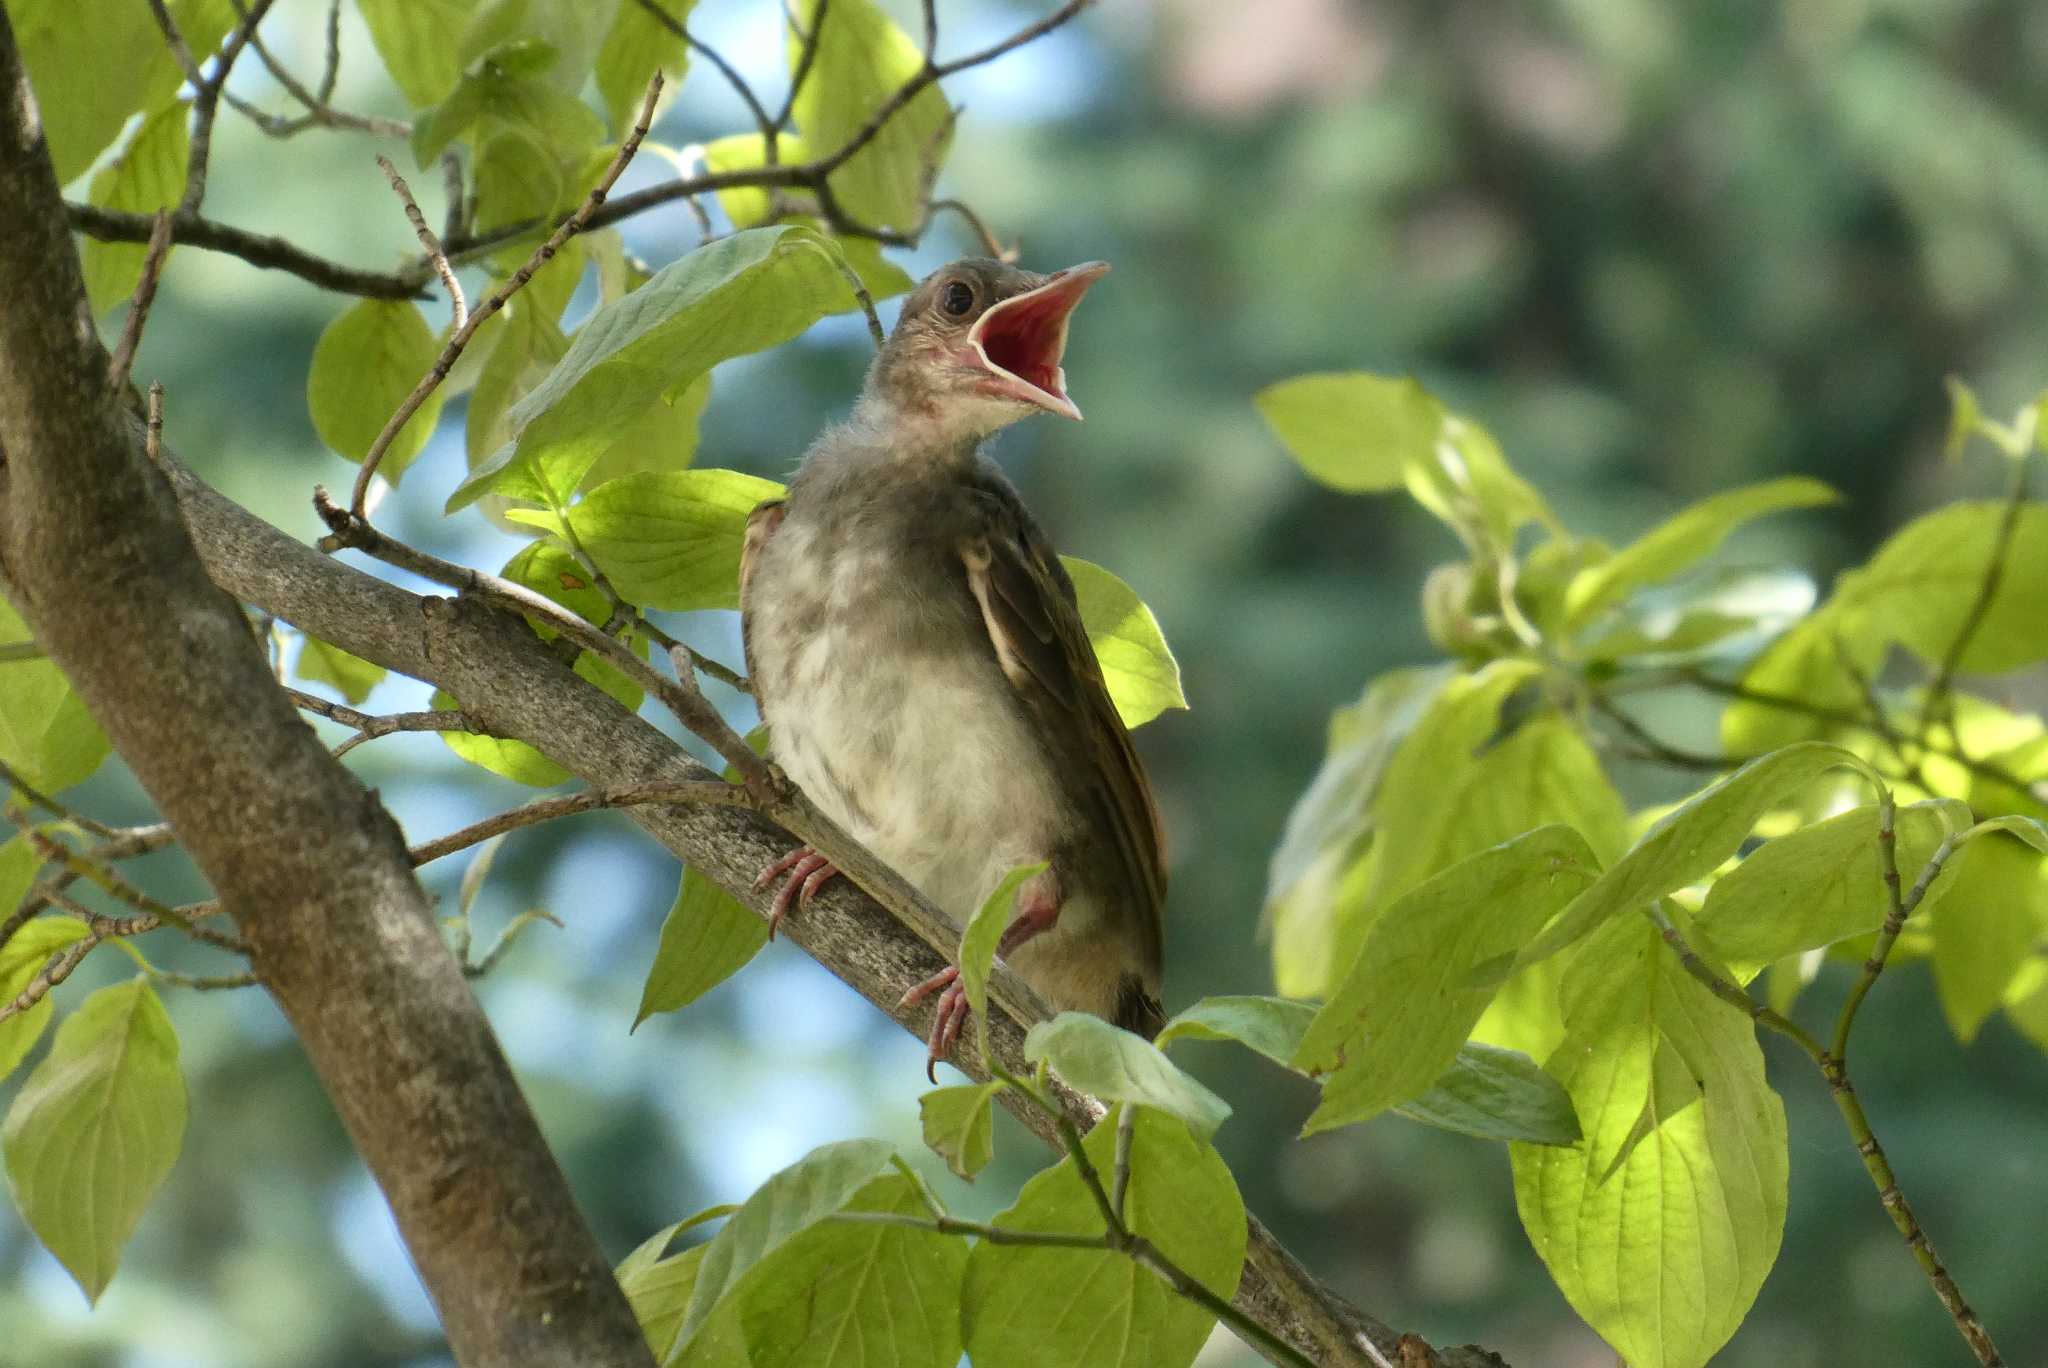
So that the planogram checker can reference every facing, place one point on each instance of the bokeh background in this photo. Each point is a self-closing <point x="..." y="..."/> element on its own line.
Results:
<point x="1659" y="250"/>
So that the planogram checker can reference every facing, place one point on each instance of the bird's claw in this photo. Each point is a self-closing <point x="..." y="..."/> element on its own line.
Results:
<point x="807" y="872"/>
<point x="948" y="1019"/>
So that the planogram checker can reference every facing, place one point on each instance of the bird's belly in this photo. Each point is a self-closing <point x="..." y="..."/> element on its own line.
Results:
<point x="921" y="754"/>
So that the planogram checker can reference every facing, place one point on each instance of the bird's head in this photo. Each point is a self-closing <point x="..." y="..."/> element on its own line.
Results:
<point x="978" y="347"/>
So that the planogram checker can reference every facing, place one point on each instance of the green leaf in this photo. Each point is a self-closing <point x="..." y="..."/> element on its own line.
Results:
<point x="1805" y="667"/>
<point x="1496" y="1094"/>
<point x="1691" y="840"/>
<point x="1919" y="587"/>
<point x="959" y="1125"/>
<point x="1663" y="1250"/>
<point x="526" y="346"/>
<point x="862" y="60"/>
<point x="1400" y="1013"/>
<point x="148" y="175"/>
<point x="659" y="1291"/>
<point x="662" y="439"/>
<point x="1142" y="675"/>
<point x="806" y="1192"/>
<point x="1352" y="430"/>
<point x="72" y="64"/>
<point x="672" y="541"/>
<point x="1964" y="419"/>
<point x="1026" y="1307"/>
<point x="2031" y="830"/>
<point x="95" y="1129"/>
<point x="1994" y="915"/>
<point x="46" y="734"/>
<point x="1472" y="489"/>
<point x="984" y="931"/>
<point x="504" y="95"/>
<point x="1332" y="825"/>
<point x="635" y="45"/>
<point x="1118" y="1066"/>
<point x="1271" y="1026"/>
<point x="743" y="293"/>
<point x="351" y="675"/>
<point x="1477" y="771"/>
<point x="420" y="42"/>
<point x="707" y="938"/>
<point x="25" y="954"/>
<point x="1814" y="886"/>
<point x="1677" y="543"/>
<point x="364" y="365"/>
<point x="848" y="1295"/>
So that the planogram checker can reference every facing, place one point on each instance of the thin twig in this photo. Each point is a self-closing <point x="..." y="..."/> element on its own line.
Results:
<point x="11" y="778"/>
<point x="138" y="305"/>
<point x="1652" y="747"/>
<point x="454" y="221"/>
<point x="55" y="972"/>
<point x="710" y="54"/>
<point x="428" y="241"/>
<point x="711" y="791"/>
<point x="331" y="72"/>
<point x="541" y="256"/>
<point x="805" y="58"/>
<point x="990" y="243"/>
<point x="206" y="105"/>
<point x="18" y="652"/>
<point x="370" y="726"/>
<point x="318" y="112"/>
<point x="1902" y="907"/>
<point x="257" y="249"/>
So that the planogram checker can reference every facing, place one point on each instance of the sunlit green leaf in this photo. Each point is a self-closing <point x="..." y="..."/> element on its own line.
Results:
<point x="672" y="541"/>
<point x="1817" y="885"/>
<point x="1401" y="1012"/>
<point x="959" y="1125"/>
<point x="740" y="294"/>
<point x="1111" y="1313"/>
<point x="46" y="734"/>
<point x="635" y="45"/>
<point x="1352" y="430"/>
<point x="663" y="438"/>
<point x="420" y="42"/>
<point x="1662" y="1253"/>
<point x="1118" y="1066"/>
<point x="806" y="1192"/>
<point x="748" y="205"/>
<point x="1805" y="669"/>
<point x="1271" y="1026"/>
<point x="95" y="1128"/>
<point x="862" y="60"/>
<point x="1995" y="914"/>
<point x="25" y="954"/>
<point x="148" y="175"/>
<point x="852" y="1295"/>
<point x="89" y="77"/>
<point x="1677" y="543"/>
<point x="327" y="663"/>
<point x="984" y="930"/>
<point x="1919" y="588"/>
<point x="1691" y="841"/>
<point x="659" y="1290"/>
<point x="1470" y="486"/>
<point x="1142" y="675"/>
<point x="1495" y="1094"/>
<point x="364" y="365"/>
<point x="707" y="938"/>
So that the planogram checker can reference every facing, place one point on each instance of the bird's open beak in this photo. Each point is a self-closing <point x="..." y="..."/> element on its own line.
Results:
<point x="1020" y="340"/>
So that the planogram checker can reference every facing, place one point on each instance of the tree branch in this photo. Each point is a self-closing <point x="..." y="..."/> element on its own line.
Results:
<point x="311" y="867"/>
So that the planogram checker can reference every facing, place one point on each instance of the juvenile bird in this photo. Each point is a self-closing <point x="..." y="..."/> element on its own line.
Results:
<point x="918" y="656"/>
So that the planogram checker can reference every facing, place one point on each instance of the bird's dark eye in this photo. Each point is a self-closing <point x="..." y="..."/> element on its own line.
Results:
<point x="957" y="298"/>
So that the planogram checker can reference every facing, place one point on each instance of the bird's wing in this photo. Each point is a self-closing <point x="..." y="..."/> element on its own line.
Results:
<point x="761" y="525"/>
<point x="1027" y="604"/>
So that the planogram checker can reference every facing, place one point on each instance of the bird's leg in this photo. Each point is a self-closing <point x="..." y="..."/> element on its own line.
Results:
<point x="808" y="871"/>
<point x="1041" y="913"/>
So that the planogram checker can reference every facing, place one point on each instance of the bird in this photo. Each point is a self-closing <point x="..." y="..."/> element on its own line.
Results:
<point x="916" y="650"/>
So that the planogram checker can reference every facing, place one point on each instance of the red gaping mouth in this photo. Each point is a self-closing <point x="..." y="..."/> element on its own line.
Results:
<point x="1020" y="341"/>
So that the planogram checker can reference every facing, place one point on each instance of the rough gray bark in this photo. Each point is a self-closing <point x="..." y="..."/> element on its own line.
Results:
<point x="312" y="868"/>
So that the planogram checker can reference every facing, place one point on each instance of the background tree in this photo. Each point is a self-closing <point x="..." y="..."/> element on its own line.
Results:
<point x="1566" y="107"/>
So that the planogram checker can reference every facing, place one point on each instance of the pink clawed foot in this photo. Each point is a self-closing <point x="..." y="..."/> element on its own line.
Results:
<point x="808" y="872"/>
<point x="947" y="1021"/>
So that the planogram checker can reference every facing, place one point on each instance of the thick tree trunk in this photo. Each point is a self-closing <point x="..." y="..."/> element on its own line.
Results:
<point x="309" y="864"/>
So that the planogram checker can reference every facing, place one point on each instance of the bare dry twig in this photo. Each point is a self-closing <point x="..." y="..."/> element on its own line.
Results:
<point x="541" y="255"/>
<point x="428" y="241"/>
<point x="139" y="302"/>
